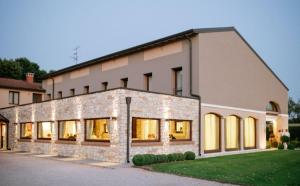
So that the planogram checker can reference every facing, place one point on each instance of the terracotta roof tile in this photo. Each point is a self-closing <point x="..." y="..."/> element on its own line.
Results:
<point x="20" y="84"/>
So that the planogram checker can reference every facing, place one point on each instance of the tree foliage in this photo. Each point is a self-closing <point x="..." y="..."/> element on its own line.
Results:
<point x="17" y="69"/>
<point x="294" y="111"/>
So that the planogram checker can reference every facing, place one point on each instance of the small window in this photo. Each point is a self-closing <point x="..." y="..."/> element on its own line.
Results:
<point x="48" y="96"/>
<point x="96" y="130"/>
<point x="148" y="81"/>
<point x="59" y="94"/>
<point x="178" y="81"/>
<point x="67" y="130"/>
<point x="36" y="98"/>
<point x="271" y="107"/>
<point x="72" y="92"/>
<point x="14" y="97"/>
<point x="44" y="130"/>
<point x="145" y="129"/>
<point x="86" y="89"/>
<point x="124" y="82"/>
<point x="104" y="85"/>
<point x="179" y="130"/>
<point x="26" y="130"/>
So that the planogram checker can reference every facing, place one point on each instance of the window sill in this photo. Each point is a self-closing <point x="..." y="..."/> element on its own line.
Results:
<point x="43" y="141"/>
<point x="24" y="140"/>
<point x="181" y="142"/>
<point x="139" y="144"/>
<point x="96" y="143"/>
<point x="249" y="148"/>
<point x="212" y="151"/>
<point x="65" y="142"/>
<point x="234" y="149"/>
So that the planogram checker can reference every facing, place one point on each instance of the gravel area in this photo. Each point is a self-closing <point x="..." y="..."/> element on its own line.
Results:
<point x="29" y="170"/>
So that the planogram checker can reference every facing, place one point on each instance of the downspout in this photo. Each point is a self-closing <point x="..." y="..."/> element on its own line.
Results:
<point x="128" y="101"/>
<point x="191" y="88"/>
<point x="7" y="138"/>
<point x="52" y="87"/>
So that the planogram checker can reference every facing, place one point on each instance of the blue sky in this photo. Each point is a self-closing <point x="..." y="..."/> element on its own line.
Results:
<point x="47" y="31"/>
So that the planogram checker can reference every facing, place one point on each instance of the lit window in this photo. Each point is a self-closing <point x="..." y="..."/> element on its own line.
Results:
<point x="212" y="133"/>
<point x="14" y="97"/>
<point x="44" y="130"/>
<point x="232" y="124"/>
<point x="148" y="81"/>
<point x="249" y="133"/>
<point x="145" y="129"/>
<point x="67" y="130"/>
<point x="178" y="81"/>
<point x="26" y="131"/>
<point x="97" y="130"/>
<point x="179" y="130"/>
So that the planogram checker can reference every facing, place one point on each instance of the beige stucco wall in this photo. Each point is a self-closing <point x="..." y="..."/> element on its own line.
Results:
<point x="159" y="61"/>
<point x="24" y="96"/>
<point x="232" y="75"/>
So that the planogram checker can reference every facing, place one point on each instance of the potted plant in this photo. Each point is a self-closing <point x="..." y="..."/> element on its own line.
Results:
<point x="285" y="140"/>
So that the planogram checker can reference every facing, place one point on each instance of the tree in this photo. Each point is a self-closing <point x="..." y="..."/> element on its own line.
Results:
<point x="18" y="68"/>
<point x="294" y="110"/>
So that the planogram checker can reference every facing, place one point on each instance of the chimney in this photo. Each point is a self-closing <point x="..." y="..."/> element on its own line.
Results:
<point x="29" y="77"/>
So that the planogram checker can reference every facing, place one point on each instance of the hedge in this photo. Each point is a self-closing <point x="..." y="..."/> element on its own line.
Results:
<point x="294" y="132"/>
<point x="147" y="159"/>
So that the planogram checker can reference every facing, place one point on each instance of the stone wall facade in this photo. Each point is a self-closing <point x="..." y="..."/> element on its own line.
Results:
<point x="108" y="104"/>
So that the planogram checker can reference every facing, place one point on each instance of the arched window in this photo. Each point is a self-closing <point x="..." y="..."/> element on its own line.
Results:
<point x="232" y="130"/>
<point x="272" y="107"/>
<point x="249" y="133"/>
<point x="212" y="133"/>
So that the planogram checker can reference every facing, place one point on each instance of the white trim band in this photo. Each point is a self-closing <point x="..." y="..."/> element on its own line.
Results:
<point x="232" y="108"/>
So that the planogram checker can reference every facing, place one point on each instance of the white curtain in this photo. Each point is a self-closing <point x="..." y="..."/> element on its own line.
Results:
<point x="232" y="132"/>
<point x="249" y="132"/>
<point x="211" y="132"/>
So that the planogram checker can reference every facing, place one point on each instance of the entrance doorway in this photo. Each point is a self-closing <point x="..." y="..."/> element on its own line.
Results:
<point x="3" y="131"/>
<point x="270" y="136"/>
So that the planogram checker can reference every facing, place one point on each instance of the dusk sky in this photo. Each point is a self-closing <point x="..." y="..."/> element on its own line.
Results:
<point x="47" y="31"/>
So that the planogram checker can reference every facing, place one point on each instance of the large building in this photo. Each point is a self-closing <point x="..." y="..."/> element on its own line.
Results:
<point x="202" y="90"/>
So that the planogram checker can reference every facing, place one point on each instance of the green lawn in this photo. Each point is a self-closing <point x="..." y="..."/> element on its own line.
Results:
<point x="261" y="168"/>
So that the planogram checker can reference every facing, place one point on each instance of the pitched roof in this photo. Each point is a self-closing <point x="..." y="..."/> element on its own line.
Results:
<point x="3" y="119"/>
<point x="179" y="36"/>
<point x="20" y="85"/>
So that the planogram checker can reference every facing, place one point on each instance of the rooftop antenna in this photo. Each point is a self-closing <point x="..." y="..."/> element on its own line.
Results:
<point x="75" y="54"/>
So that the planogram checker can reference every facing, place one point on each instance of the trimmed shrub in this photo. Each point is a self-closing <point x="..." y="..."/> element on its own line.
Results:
<point x="138" y="160"/>
<point x="172" y="157"/>
<point x="189" y="155"/>
<point x="179" y="157"/>
<point x="296" y="143"/>
<point x="280" y="146"/>
<point x="285" y="139"/>
<point x="149" y="159"/>
<point x="162" y="158"/>
<point x="291" y="146"/>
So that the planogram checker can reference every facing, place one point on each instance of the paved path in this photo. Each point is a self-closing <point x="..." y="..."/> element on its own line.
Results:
<point x="28" y="170"/>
